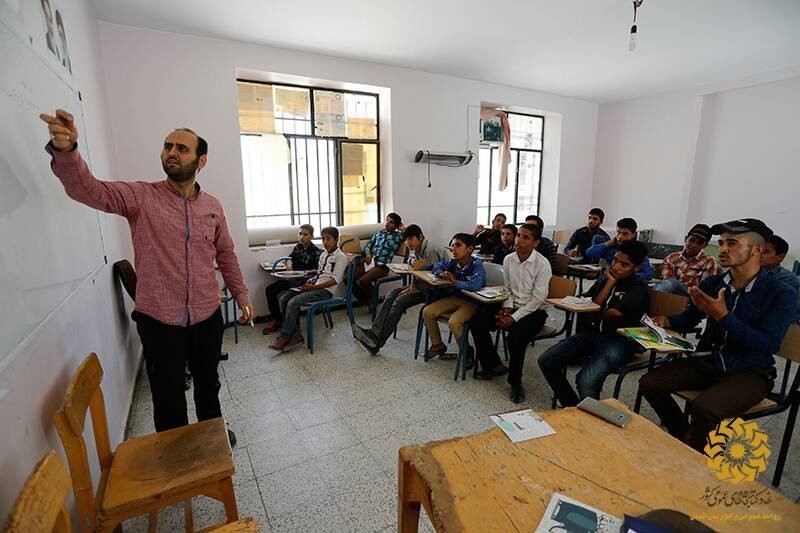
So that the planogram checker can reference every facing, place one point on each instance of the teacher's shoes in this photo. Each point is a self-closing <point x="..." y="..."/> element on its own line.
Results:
<point x="517" y="393"/>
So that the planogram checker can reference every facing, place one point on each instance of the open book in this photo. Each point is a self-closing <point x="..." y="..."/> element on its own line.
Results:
<point x="664" y="337"/>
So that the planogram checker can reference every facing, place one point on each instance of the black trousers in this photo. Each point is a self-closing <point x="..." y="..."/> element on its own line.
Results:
<point x="167" y="350"/>
<point x="273" y="290"/>
<point x="518" y="337"/>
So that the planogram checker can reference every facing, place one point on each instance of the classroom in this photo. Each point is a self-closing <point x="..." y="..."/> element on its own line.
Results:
<point x="399" y="266"/>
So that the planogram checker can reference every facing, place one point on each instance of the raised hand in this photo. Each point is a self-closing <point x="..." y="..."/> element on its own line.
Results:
<point x="714" y="308"/>
<point x="63" y="133"/>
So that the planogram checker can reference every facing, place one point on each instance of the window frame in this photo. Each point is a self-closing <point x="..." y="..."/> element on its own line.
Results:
<point x="337" y="147"/>
<point x="494" y="151"/>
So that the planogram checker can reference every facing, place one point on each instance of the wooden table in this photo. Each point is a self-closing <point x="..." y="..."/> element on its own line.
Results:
<point x="582" y="272"/>
<point x="487" y="483"/>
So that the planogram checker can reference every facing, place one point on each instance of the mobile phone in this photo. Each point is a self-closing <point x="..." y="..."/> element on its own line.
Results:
<point x="606" y="412"/>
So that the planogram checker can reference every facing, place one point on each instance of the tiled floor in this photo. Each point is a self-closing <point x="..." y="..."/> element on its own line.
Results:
<point x="319" y="433"/>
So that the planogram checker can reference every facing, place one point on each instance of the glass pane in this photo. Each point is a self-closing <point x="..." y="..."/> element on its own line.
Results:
<point x="528" y="194"/>
<point x="503" y="200"/>
<point x="265" y="164"/>
<point x="292" y="110"/>
<point x="526" y="131"/>
<point x="360" y="183"/>
<point x="483" y="216"/>
<point x="329" y="114"/>
<point x="256" y="113"/>
<point x="361" y="114"/>
<point x="483" y="179"/>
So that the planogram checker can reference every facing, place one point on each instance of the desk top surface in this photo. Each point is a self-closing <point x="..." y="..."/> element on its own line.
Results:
<point x="485" y="482"/>
<point x="428" y="277"/>
<point x="559" y="302"/>
<point x="485" y="299"/>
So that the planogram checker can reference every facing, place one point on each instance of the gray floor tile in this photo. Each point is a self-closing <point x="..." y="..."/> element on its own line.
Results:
<point x="293" y="488"/>
<point x="318" y="517"/>
<point x="277" y="453"/>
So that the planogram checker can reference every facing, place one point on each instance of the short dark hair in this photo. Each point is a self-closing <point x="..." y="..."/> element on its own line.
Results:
<point x="501" y="215"/>
<point x="635" y="250"/>
<point x="535" y="231"/>
<point x="395" y="218"/>
<point x="512" y="227"/>
<point x="781" y="246"/>
<point x="330" y="230"/>
<point x="597" y="211"/>
<point x="307" y="227"/>
<point x="202" y="145"/>
<point x="535" y="218"/>
<point x="627" y="223"/>
<point x="467" y="238"/>
<point x="412" y="231"/>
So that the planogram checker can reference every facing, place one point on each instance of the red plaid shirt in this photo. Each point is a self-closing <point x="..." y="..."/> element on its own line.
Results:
<point x="688" y="270"/>
<point x="175" y="271"/>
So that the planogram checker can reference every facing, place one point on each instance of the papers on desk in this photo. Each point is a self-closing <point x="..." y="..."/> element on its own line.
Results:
<point x="565" y="514"/>
<point x="405" y="267"/>
<point x="587" y="268"/>
<point x="577" y="301"/>
<point x="491" y="293"/>
<point x="522" y="425"/>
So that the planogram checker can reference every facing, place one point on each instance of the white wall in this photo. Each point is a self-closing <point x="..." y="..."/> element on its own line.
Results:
<point x="95" y="318"/>
<point x="702" y="155"/>
<point x="157" y="81"/>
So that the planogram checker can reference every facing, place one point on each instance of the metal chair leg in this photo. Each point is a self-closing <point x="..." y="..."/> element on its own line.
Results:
<point x="310" y="329"/>
<point x="420" y="324"/>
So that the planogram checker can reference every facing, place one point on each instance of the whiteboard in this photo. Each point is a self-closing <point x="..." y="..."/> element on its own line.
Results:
<point x="49" y="244"/>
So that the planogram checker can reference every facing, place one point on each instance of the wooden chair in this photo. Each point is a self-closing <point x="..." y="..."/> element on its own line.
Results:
<point x="561" y="236"/>
<point x="143" y="474"/>
<point x="562" y="260"/>
<point x="788" y="397"/>
<point x="41" y="506"/>
<point x="661" y="304"/>
<point x="350" y="244"/>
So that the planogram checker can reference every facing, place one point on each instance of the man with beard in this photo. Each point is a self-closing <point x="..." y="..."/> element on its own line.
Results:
<point x="178" y="232"/>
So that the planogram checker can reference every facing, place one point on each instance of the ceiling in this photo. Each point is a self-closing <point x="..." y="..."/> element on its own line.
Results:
<point x="576" y="48"/>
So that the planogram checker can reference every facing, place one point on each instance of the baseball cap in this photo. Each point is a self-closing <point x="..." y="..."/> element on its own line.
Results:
<point x="701" y="231"/>
<point x="742" y="225"/>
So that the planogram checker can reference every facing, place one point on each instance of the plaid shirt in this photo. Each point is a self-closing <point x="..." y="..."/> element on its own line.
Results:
<point x="382" y="245"/>
<point x="690" y="271"/>
<point x="305" y="258"/>
<point x="174" y="267"/>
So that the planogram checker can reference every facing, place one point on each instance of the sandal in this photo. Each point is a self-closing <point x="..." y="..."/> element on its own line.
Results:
<point x="448" y="356"/>
<point x="432" y="354"/>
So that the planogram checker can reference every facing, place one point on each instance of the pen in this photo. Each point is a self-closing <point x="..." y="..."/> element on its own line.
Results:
<point x="251" y="323"/>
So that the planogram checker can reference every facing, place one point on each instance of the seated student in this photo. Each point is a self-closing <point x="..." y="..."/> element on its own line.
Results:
<point x="527" y="277"/>
<point x="748" y="312"/>
<point x="379" y="249"/>
<point x="488" y="238"/>
<point x="506" y="245"/>
<point x="466" y="272"/>
<point x="774" y="254"/>
<point x="626" y="231"/>
<point x="689" y="267"/>
<point x="546" y="247"/>
<point x="623" y="299"/>
<point x="328" y="282"/>
<point x="423" y="255"/>
<point x="304" y="256"/>
<point x="585" y="237"/>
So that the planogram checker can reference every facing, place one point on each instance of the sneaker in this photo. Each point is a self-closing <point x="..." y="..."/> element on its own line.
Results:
<point x="296" y="340"/>
<point x="491" y="374"/>
<point x="232" y="438"/>
<point x="271" y="327"/>
<point x="517" y="393"/>
<point x="279" y="343"/>
<point x="366" y="338"/>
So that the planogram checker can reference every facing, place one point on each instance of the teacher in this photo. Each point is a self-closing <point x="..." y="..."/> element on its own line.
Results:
<point x="178" y="232"/>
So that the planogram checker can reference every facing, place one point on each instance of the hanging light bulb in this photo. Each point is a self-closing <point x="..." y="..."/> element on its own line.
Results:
<point x="632" y="41"/>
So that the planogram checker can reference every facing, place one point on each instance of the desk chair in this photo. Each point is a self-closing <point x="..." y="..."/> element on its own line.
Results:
<point x="562" y="260"/>
<point x="788" y="397"/>
<point x="143" y="474"/>
<point x="561" y="236"/>
<point x="325" y="306"/>
<point x="350" y="244"/>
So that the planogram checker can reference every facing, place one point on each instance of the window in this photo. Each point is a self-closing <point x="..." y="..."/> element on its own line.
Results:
<point x="520" y="198"/>
<point x="309" y="155"/>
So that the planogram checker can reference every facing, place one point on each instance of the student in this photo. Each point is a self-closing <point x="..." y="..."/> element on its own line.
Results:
<point x="546" y="247"/>
<point x="423" y="255"/>
<point x="328" y="282"/>
<point x="774" y="254"/>
<point x="527" y="278"/>
<point x="488" y="238"/>
<point x="583" y="238"/>
<point x="466" y="272"/>
<point x="178" y="231"/>
<point x="623" y="299"/>
<point x="748" y="312"/>
<point x="304" y="256"/>
<point x="508" y="233"/>
<point x="626" y="231"/>
<point x="689" y="267"/>
<point x="379" y="250"/>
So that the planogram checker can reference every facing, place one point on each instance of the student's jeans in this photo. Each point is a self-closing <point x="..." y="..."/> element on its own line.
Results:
<point x="274" y="290"/>
<point x="518" y="337"/>
<point x="724" y="395"/>
<point x="672" y="286"/>
<point x="394" y="305"/>
<point x="167" y="349"/>
<point x="460" y="311"/>
<point x="291" y="301"/>
<point x="606" y="352"/>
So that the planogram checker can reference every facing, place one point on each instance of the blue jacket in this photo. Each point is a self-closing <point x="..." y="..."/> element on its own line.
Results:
<point x="752" y="331"/>
<point x="600" y="251"/>
<point x="787" y="277"/>
<point x="470" y="278"/>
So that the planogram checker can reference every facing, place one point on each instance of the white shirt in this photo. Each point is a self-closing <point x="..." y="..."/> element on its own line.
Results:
<point x="332" y="265"/>
<point x="528" y="282"/>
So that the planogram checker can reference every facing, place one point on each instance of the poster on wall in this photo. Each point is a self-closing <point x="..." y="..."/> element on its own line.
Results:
<point x="55" y="35"/>
<point x="492" y="130"/>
